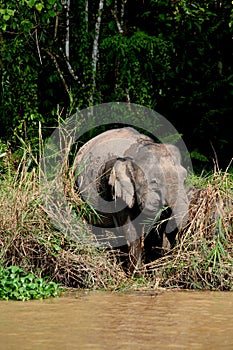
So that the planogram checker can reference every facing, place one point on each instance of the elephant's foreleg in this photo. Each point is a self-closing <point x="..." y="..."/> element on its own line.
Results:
<point x="134" y="245"/>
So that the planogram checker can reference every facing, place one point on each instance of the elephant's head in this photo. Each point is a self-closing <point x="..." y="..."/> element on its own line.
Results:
<point x="152" y="176"/>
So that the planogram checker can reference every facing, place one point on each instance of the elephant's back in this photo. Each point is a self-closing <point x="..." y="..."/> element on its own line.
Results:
<point x="114" y="141"/>
<point x="92" y="157"/>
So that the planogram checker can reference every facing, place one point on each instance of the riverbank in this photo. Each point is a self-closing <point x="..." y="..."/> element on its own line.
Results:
<point x="201" y="259"/>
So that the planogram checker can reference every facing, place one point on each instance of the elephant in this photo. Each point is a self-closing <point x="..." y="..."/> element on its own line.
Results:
<point x="129" y="179"/>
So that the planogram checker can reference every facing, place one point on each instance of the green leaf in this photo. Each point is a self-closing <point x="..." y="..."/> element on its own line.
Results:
<point x="10" y="12"/>
<point x="4" y="26"/>
<point x="39" y="7"/>
<point x="30" y="3"/>
<point x="6" y="17"/>
<point x="56" y="247"/>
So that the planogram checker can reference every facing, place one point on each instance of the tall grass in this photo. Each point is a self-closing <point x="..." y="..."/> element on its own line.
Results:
<point x="201" y="259"/>
<point x="29" y="239"/>
<point x="203" y="256"/>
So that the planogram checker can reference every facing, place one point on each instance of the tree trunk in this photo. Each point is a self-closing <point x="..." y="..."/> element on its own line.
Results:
<point x="95" y="51"/>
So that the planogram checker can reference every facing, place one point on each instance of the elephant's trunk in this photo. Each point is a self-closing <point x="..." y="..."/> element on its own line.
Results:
<point x="180" y="208"/>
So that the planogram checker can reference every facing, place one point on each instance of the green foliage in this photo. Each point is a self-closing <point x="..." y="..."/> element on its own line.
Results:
<point x="15" y="284"/>
<point x="130" y="58"/>
<point x="219" y="248"/>
<point x="3" y="148"/>
<point x="197" y="155"/>
<point x="175" y="57"/>
<point x="24" y="26"/>
<point x="22" y="16"/>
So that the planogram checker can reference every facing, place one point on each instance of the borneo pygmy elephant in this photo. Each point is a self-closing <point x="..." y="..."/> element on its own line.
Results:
<point x="128" y="179"/>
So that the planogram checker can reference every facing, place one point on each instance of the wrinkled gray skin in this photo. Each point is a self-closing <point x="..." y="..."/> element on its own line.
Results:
<point x="134" y="176"/>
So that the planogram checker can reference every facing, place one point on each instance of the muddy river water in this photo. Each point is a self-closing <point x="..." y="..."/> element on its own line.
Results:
<point x="100" y="320"/>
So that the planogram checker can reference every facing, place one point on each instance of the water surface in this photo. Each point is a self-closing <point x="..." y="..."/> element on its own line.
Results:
<point x="100" y="320"/>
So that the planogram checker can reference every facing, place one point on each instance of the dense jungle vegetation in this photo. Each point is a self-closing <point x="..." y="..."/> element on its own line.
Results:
<point x="175" y="57"/>
<point x="57" y="57"/>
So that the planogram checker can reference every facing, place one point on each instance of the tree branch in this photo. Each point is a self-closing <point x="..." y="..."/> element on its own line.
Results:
<point x="60" y="74"/>
<point x="70" y="69"/>
<point x="38" y="47"/>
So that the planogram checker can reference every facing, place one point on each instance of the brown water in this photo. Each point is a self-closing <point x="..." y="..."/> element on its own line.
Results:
<point x="100" y="320"/>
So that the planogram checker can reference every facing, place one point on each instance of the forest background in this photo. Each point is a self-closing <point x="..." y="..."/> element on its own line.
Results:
<point x="175" y="57"/>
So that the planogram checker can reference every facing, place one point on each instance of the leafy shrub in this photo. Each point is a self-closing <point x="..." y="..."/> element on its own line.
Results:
<point x="15" y="284"/>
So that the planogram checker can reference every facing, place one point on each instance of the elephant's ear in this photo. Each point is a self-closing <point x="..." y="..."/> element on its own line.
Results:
<point x="121" y="180"/>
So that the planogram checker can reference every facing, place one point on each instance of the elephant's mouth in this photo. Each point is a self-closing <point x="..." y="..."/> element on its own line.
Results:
<point x="151" y="210"/>
<point x="152" y="204"/>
